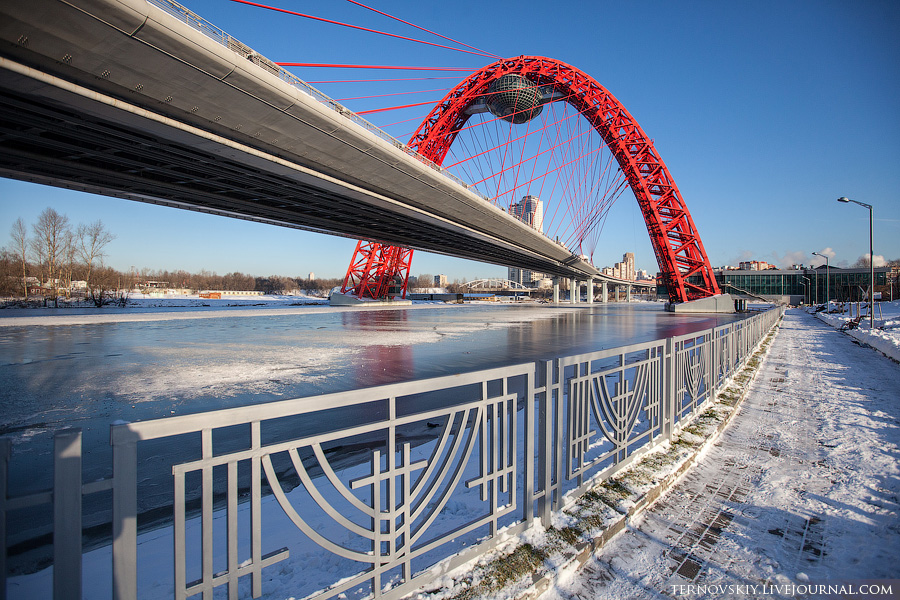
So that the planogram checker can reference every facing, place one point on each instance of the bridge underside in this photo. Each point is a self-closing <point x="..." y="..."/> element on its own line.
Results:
<point x="62" y="139"/>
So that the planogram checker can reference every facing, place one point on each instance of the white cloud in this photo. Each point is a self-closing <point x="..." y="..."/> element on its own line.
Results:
<point x="791" y="258"/>
<point x="818" y="261"/>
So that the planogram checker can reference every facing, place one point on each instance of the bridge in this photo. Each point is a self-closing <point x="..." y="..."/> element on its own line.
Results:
<point x="149" y="102"/>
<point x="495" y="285"/>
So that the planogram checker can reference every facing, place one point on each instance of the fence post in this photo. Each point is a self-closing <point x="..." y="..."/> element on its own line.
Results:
<point x="528" y="507"/>
<point x="544" y="452"/>
<point x="124" y="557"/>
<point x="669" y="388"/>
<point x="5" y="451"/>
<point x="67" y="514"/>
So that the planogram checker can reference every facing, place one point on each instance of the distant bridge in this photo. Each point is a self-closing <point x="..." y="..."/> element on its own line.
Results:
<point x="495" y="285"/>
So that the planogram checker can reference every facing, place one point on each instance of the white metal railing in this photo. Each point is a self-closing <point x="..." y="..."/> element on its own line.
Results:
<point x="391" y="481"/>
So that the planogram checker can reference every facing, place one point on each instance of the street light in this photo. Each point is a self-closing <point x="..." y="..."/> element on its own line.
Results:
<point x="807" y="286"/>
<point x="844" y="199"/>
<point x="827" y="298"/>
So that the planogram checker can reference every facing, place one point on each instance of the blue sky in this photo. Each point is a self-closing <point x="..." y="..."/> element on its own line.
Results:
<point x="764" y="113"/>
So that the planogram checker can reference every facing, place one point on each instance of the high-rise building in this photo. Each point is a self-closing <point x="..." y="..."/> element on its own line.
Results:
<point x="440" y="281"/>
<point x="628" y="266"/>
<point x="529" y="210"/>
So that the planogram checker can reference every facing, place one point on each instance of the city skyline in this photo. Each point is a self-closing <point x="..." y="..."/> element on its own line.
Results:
<point x="753" y="126"/>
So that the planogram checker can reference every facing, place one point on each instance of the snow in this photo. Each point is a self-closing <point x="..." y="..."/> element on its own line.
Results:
<point x="886" y="335"/>
<point x="802" y="488"/>
<point x="149" y="309"/>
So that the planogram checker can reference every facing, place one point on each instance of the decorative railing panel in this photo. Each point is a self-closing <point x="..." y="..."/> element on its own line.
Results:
<point x="386" y="486"/>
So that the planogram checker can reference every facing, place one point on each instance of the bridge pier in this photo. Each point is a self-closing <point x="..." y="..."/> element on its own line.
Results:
<point x="573" y="291"/>
<point x="556" y="290"/>
<point x="590" y="291"/>
<point x="628" y="293"/>
<point x="604" y="292"/>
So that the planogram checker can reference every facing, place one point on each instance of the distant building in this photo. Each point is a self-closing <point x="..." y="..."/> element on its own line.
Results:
<point x="529" y="210"/>
<point x="526" y="277"/>
<point x="312" y="276"/>
<point x="755" y="265"/>
<point x="440" y="281"/>
<point x="795" y="285"/>
<point x="623" y="270"/>
<point x="627" y="267"/>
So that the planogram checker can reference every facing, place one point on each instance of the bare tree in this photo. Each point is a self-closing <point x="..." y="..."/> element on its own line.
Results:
<point x="104" y="289"/>
<point x="423" y="280"/>
<point x="19" y="235"/>
<point x="50" y="237"/>
<point x="70" y="249"/>
<point x="92" y="239"/>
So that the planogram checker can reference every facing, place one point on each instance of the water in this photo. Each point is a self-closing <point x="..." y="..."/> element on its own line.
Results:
<point x="90" y="375"/>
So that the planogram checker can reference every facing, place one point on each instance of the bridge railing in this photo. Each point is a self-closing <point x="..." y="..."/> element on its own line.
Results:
<point x="202" y="25"/>
<point x="372" y="492"/>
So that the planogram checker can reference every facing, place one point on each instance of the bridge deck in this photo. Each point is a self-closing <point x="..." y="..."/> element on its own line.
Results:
<point x="119" y="97"/>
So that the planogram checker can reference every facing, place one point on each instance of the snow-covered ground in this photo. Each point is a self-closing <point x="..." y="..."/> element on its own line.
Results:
<point x="142" y="308"/>
<point x="886" y="335"/>
<point x="802" y="490"/>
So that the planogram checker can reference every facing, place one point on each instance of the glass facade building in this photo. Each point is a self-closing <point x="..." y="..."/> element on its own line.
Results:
<point x="790" y="285"/>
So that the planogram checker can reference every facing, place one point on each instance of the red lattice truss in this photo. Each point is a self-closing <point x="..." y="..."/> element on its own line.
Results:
<point x="673" y="235"/>
<point x="376" y="268"/>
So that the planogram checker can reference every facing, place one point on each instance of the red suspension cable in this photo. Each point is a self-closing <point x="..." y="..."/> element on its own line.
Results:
<point x="378" y="110"/>
<point x="526" y="160"/>
<point x="511" y="141"/>
<point x="483" y="52"/>
<point x="385" y="67"/>
<point x="393" y="35"/>
<point x="387" y="95"/>
<point x="380" y="80"/>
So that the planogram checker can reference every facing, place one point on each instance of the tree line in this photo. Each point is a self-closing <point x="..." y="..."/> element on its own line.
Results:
<point x="45" y="259"/>
<point x="53" y="255"/>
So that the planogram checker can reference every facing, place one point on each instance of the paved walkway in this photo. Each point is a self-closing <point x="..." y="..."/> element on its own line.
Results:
<point x="802" y="487"/>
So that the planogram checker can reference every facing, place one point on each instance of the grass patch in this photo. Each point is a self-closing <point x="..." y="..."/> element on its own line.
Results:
<point x="504" y="570"/>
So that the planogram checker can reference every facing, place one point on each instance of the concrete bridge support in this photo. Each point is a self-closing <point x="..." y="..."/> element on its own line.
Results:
<point x="628" y="293"/>
<point x="573" y="290"/>
<point x="556" y="290"/>
<point x="604" y="292"/>
<point x="590" y="291"/>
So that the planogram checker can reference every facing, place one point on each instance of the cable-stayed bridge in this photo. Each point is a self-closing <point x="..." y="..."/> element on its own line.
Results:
<point x="147" y="101"/>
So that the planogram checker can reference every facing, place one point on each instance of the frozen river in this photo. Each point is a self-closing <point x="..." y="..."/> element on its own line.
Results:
<point x="73" y="369"/>
<point x="78" y="372"/>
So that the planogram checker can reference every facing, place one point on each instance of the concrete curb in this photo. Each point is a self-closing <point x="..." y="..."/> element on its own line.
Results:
<point x="541" y="582"/>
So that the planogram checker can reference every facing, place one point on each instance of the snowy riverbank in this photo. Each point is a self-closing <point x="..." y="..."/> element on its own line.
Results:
<point x="886" y="335"/>
<point x="147" y="308"/>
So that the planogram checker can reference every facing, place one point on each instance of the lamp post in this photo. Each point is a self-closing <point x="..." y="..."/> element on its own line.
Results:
<point x="827" y="297"/>
<point x="807" y="287"/>
<point x="871" y="262"/>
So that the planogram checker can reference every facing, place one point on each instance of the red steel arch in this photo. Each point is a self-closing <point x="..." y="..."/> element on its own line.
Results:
<point x="679" y="251"/>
